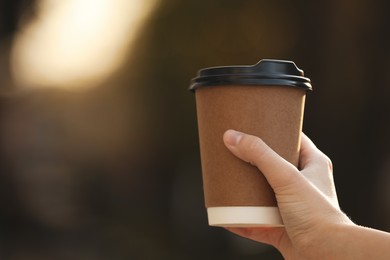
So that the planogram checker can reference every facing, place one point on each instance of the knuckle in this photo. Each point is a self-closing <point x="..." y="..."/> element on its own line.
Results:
<point x="255" y="146"/>
<point x="330" y="164"/>
<point x="326" y="161"/>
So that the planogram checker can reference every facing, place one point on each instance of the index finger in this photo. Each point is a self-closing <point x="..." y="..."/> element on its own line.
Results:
<point x="310" y="155"/>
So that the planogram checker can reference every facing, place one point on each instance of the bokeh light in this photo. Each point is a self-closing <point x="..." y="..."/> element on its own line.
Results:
<point x="99" y="158"/>
<point x="77" y="43"/>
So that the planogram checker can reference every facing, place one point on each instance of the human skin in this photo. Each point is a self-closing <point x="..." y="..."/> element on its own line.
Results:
<point x="314" y="225"/>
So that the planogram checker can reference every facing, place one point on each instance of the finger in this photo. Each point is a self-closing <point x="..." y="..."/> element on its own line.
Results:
<point x="310" y="155"/>
<point x="267" y="235"/>
<point x="252" y="149"/>
<point x="312" y="161"/>
<point x="317" y="168"/>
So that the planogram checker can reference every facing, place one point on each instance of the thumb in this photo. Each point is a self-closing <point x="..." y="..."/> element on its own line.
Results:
<point x="278" y="172"/>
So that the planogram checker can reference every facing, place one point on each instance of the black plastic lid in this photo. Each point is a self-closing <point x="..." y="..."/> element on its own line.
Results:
<point x="265" y="72"/>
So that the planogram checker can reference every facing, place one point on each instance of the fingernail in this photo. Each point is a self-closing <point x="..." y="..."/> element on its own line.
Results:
<point x="232" y="137"/>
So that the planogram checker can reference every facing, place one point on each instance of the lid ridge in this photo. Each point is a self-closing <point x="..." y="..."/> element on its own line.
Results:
<point x="265" y="72"/>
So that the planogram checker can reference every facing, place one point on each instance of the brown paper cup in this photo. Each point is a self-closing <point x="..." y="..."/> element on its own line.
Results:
<point x="236" y="193"/>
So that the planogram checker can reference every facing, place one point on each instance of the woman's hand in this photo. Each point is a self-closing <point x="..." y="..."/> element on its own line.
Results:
<point x="306" y="197"/>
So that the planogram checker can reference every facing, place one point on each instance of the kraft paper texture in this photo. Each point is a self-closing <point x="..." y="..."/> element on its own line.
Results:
<point x="274" y="113"/>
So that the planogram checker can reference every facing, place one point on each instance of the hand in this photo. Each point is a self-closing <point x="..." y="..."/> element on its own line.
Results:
<point x="306" y="196"/>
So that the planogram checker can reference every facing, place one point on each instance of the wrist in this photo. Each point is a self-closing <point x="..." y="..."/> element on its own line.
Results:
<point x="350" y="241"/>
<point x="337" y="241"/>
<point x="327" y="240"/>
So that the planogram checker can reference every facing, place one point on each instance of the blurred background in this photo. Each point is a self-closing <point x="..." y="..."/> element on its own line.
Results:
<point x="99" y="155"/>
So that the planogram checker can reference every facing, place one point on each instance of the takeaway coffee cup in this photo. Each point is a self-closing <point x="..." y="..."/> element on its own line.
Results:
<point x="267" y="100"/>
